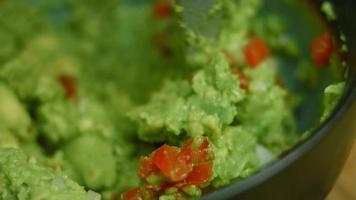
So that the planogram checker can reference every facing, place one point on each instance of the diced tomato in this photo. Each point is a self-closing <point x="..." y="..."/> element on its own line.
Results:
<point x="198" y="154"/>
<point x="187" y="147"/>
<point x="133" y="194"/>
<point x="202" y="154"/>
<point x="186" y="154"/>
<point x="164" y="157"/>
<point x="256" y="51"/>
<point x="163" y="9"/>
<point x="172" y="164"/>
<point x="146" y="168"/>
<point x="68" y="84"/>
<point x="200" y="174"/>
<point x="189" y="165"/>
<point x="322" y="49"/>
<point x="205" y="144"/>
<point x="244" y="82"/>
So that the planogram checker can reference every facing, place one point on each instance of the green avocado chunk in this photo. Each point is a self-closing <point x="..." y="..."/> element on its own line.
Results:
<point x="235" y="149"/>
<point x="266" y="112"/>
<point x="7" y="139"/>
<point x="92" y="158"/>
<point x="13" y="115"/>
<point x="58" y="121"/>
<point x="332" y="95"/>
<point x="22" y="178"/>
<point x="200" y="108"/>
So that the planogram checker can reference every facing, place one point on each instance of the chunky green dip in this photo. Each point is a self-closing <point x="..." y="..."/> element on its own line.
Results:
<point x="88" y="88"/>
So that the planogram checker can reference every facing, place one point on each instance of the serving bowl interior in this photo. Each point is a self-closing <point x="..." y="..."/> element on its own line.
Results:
<point x="309" y="170"/>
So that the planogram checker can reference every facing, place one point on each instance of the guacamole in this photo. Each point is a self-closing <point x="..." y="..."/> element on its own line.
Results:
<point x="132" y="100"/>
<point x="33" y="181"/>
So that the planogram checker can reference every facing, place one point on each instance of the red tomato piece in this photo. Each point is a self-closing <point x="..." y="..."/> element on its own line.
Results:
<point x="172" y="164"/>
<point x="163" y="9"/>
<point x="133" y="194"/>
<point x="185" y="154"/>
<point x="199" y="154"/>
<point x="200" y="174"/>
<point x="164" y="157"/>
<point x="146" y="168"/>
<point x="202" y="154"/>
<point x="205" y="144"/>
<point x="256" y="51"/>
<point x="322" y="49"/>
<point x="68" y="84"/>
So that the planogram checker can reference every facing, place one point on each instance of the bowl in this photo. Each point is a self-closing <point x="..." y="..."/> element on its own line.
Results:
<point x="310" y="169"/>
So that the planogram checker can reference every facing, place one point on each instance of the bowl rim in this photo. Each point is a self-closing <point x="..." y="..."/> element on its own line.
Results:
<point x="295" y="153"/>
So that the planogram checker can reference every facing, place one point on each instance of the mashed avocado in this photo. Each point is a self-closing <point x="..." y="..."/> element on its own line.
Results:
<point x="94" y="94"/>
<point x="22" y="178"/>
<point x="203" y="107"/>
